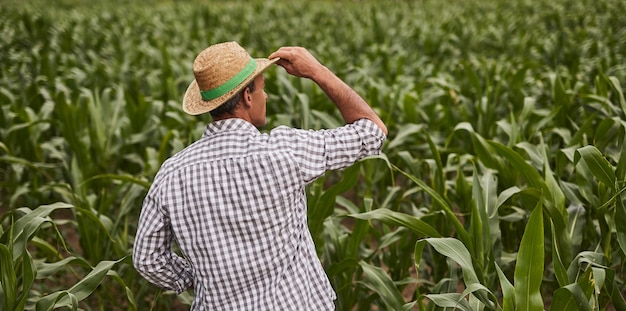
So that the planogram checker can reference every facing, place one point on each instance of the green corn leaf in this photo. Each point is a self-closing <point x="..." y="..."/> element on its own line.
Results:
<point x="29" y="274"/>
<point x="377" y="280"/>
<point x="455" y="250"/>
<point x="503" y="197"/>
<point x="409" y="306"/>
<point x="395" y="218"/>
<point x="326" y="204"/>
<point x="607" y="133"/>
<point x="582" y="261"/>
<point x="553" y="188"/>
<point x="535" y="153"/>
<point x="613" y="290"/>
<point x="306" y="121"/>
<point x="586" y="282"/>
<point x="26" y="226"/>
<point x="620" y="220"/>
<point x="8" y="277"/>
<point x="129" y="294"/>
<point x="558" y="198"/>
<point x="577" y="222"/>
<point x="326" y="120"/>
<point x="125" y="178"/>
<point x="71" y="301"/>
<point x="92" y="225"/>
<point x="476" y="215"/>
<point x="80" y="290"/>
<point x="481" y="225"/>
<point x="598" y="165"/>
<point x="450" y="300"/>
<point x="529" y="267"/>
<point x="598" y="279"/>
<point x="24" y="162"/>
<point x="404" y="133"/>
<point x="439" y="179"/>
<point x="553" y="206"/>
<point x="392" y="237"/>
<point x="462" y="190"/>
<point x="483" y="149"/>
<point x="342" y="266"/>
<point x="390" y="198"/>
<point x="620" y="171"/>
<point x="46" y="248"/>
<point x="478" y="289"/>
<point x="451" y="216"/>
<point x="359" y="232"/>
<point x="45" y="270"/>
<point x="508" y="291"/>
<point x="530" y="173"/>
<point x="570" y="297"/>
<point x="472" y="76"/>
<point x="616" y="86"/>
<point x="620" y="202"/>
<point x="27" y="218"/>
<point x="560" y="270"/>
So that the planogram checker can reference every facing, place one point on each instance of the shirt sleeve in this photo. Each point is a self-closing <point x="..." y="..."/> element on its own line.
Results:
<point x="319" y="151"/>
<point x="152" y="252"/>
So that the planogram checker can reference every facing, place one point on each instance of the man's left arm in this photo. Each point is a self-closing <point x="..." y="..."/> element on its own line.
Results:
<point x="152" y="252"/>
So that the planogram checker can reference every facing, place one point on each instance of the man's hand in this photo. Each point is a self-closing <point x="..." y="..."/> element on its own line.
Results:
<point x="298" y="61"/>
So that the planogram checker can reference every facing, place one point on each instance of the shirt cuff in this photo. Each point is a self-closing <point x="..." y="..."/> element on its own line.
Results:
<point x="185" y="282"/>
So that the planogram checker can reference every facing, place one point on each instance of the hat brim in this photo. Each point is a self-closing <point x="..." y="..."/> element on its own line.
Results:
<point x="194" y="104"/>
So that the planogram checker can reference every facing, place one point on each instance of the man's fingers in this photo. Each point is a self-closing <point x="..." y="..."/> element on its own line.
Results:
<point x="283" y="62"/>
<point x="296" y="61"/>
<point x="282" y="52"/>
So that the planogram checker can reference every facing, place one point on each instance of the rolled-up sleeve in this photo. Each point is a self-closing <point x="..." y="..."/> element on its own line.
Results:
<point x="152" y="251"/>
<point x="319" y="151"/>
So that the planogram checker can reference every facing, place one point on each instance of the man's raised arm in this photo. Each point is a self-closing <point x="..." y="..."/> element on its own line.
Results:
<point x="300" y="62"/>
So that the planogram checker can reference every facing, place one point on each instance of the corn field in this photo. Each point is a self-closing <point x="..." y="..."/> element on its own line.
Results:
<point x="501" y="185"/>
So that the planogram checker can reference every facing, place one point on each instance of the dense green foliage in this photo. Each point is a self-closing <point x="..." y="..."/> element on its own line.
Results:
<point x="501" y="186"/>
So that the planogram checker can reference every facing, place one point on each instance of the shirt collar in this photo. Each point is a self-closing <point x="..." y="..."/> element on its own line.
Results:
<point x="229" y="125"/>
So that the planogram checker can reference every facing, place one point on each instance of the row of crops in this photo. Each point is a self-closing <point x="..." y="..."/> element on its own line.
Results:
<point x="501" y="186"/>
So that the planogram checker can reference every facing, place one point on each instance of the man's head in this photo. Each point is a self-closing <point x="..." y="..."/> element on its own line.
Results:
<point x="229" y="106"/>
<point x="221" y="72"/>
<point x="249" y="104"/>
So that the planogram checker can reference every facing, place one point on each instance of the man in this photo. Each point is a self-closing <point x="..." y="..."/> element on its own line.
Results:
<point x="234" y="200"/>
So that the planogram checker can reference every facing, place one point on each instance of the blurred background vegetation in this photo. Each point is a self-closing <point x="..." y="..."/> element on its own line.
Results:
<point x="501" y="185"/>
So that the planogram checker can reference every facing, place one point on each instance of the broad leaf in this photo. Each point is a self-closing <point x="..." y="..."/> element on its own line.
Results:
<point x="598" y="165"/>
<point x="508" y="291"/>
<point x="570" y="297"/>
<point x="395" y="218"/>
<point x="529" y="267"/>
<point x="80" y="290"/>
<point x="378" y="281"/>
<point x="8" y="277"/>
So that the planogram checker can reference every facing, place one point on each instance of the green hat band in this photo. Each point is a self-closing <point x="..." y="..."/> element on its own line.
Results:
<point x="230" y="84"/>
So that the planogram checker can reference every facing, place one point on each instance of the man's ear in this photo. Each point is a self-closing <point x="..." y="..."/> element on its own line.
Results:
<point x="246" y="97"/>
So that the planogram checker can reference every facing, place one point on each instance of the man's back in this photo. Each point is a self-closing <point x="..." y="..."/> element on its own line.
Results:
<point x="237" y="207"/>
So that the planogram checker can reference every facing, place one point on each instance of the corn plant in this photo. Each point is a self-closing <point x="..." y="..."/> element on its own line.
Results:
<point x="500" y="187"/>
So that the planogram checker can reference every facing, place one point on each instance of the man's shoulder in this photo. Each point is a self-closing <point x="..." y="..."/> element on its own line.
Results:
<point x="177" y="161"/>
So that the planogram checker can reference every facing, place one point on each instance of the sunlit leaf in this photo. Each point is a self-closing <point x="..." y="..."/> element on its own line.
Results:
<point x="395" y="218"/>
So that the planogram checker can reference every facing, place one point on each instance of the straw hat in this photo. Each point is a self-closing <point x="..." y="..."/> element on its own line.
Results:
<point x="221" y="71"/>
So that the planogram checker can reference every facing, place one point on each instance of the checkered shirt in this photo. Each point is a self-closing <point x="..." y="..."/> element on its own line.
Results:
<point x="234" y="202"/>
